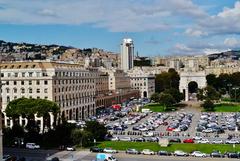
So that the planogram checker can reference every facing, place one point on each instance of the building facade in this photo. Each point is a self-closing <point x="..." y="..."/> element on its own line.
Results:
<point x="127" y="54"/>
<point x="69" y="85"/>
<point x="142" y="81"/>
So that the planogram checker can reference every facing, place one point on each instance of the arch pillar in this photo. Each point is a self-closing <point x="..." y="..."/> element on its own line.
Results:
<point x="187" y="77"/>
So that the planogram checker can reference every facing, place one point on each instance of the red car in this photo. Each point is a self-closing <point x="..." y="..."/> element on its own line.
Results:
<point x="188" y="141"/>
<point x="170" y="129"/>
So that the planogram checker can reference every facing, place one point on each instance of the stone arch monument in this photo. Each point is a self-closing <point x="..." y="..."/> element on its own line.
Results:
<point x="188" y="76"/>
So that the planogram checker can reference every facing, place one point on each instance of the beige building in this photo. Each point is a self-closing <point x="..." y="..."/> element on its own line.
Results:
<point x="142" y="81"/>
<point x="119" y="88"/>
<point x="118" y="80"/>
<point x="69" y="85"/>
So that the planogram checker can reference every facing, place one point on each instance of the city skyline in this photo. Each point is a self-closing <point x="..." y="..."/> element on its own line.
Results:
<point x="176" y="27"/>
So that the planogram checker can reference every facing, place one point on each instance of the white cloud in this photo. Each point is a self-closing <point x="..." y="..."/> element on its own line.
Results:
<point x="232" y="42"/>
<point x="115" y="15"/>
<point x="225" y="22"/>
<point x="193" y="32"/>
<point x="202" y="47"/>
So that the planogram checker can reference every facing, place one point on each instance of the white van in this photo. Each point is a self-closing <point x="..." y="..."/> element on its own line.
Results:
<point x="105" y="157"/>
<point x="32" y="146"/>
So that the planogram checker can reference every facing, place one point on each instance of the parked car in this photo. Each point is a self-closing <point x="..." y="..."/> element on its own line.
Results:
<point x="70" y="148"/>
<point x="217" y="142"/>
<point x="140" y="139"/>
<point x="180" y="153"/>
<point x="188" y="141"/>
<point x="126" y="139"/>
<point x="203" y="141"/>
<point x="96" y="149"/>
<point x="132" y="151"/>
<point x="233" y="155"/>
<point x="232" y="141"/>
<point x="165" y="153"/>
<point x="115" y="138"/>
<point x="32" y="146"/>
<point x="175" y="140"/>
<point x="198" y="154"/>
<point x="216" y="154"/>
<point x="147" y="152"/>
<point x="109" y="150"/>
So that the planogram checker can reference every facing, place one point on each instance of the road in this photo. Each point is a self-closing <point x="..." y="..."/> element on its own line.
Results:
<point x="29" y="154"/>
<point x="41" y="155"/>
<point x="124" y="157"/>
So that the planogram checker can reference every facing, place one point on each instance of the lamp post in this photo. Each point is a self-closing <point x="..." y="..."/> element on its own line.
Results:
<point x="229" y="86"/>
<point x="235" y="89"/>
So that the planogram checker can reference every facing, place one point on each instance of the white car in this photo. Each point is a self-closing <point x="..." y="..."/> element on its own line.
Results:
<point x="208" y="130"/>
<point x="126" y="139"/>
<point x="217" y="142"/>
<point x="32" y="146"/>
<point x="109" y="150"/>
<point x="180" y="153"/>
<point x="115" y="138"/>
<point x="177" y="130"/>
<point x="69" y="148"/>
<point x="147" y="134"/>
<point x="232" y="141"/>
<point x="198" y="154"/>
<point x="203" y="141"/>
<point x="147" y="152"/>
<point x="197" y="138"/>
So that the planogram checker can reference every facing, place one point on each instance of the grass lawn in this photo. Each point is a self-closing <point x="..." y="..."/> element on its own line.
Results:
<point x="155" y="107"/>
<point x="206" y="148"/>
<point x="227" y="108"/>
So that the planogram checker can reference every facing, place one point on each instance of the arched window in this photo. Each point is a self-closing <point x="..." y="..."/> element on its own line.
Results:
<point x="22" y="90"/>
<point x="14" y="90"/>
<point x="7" y="90"/>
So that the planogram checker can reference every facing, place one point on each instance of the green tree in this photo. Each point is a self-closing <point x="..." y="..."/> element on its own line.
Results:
<point x="27" y="108"/>
<point x="208" y="105"/>
<point x="43" y="108"/>
<point x="81" y="137"/>
<point x="175" y="93"/>
<point x="155" y="97"/>
<point x="97" y="130"/>
<point x="208" y="93"/>
<point x="167" y="80"/>
<point x="166" y="100"/>
<point x="212" y="80"/>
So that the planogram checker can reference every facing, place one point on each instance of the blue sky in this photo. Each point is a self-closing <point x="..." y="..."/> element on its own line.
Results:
<point x="158" y="27"/>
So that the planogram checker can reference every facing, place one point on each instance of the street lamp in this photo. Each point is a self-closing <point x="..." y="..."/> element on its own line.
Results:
<point x="229" y="85"/>
<point x="235" y="89"/>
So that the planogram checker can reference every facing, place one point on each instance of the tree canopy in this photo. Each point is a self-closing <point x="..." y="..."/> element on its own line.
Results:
<point x="27" y="107"/>
<point x="167" y="80"/>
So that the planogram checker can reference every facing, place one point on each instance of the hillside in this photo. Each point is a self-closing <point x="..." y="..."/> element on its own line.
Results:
<point x="27" y="51"/>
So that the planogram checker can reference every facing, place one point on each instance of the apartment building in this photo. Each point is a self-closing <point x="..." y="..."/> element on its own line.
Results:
<point x="69" y="85"/>
<point x="142" y="81"/>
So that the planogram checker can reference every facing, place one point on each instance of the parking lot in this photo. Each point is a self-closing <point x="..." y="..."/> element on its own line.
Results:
<point x="188" y="125"/>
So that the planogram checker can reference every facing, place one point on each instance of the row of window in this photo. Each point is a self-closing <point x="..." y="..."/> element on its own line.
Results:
<point x="23" y="90"/>
<point x="24" y="74"/>
<point x="30" y="82"/>
<point x="71" y="88"/>
<point x="139" y="84"/>
<point x="67" y="103"/>
<point x="73" y="74"/>
<point x="73" y="81"/>
<point x="15" y="97"/>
